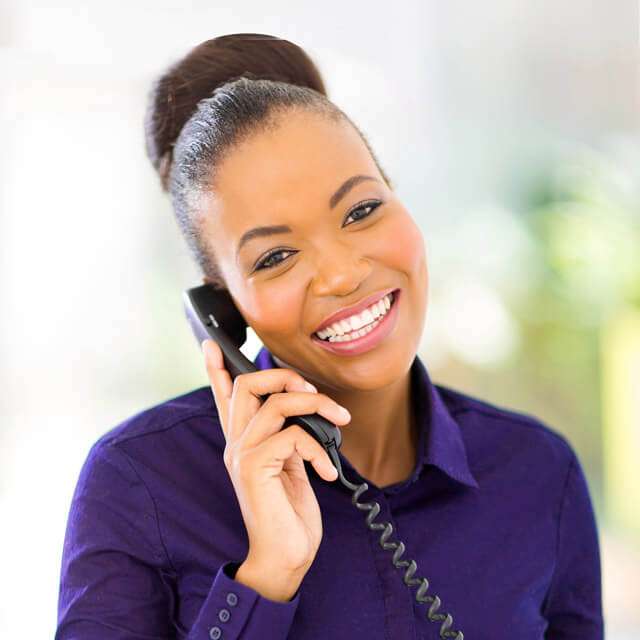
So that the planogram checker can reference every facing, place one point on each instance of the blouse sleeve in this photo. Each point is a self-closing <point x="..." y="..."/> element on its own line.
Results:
<point x="573" y="606"/>
<point x="113" y="582"/>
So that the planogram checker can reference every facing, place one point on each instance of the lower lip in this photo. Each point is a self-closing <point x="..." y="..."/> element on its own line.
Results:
<point x="369" y="340"/>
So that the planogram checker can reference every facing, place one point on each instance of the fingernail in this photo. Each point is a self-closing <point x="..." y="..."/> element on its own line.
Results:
<point x="310" y="387"/>
<point x="202" y="344"/>
<point x="345" y="413"/>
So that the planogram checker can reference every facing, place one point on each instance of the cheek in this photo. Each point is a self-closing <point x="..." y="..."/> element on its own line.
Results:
<point x="274" y="309"/>
<point x="401" y="245"/>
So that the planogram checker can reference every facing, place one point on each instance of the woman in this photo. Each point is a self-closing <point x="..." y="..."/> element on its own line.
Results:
<point x="202" y="518"/>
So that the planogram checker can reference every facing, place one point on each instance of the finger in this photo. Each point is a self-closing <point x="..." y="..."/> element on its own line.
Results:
<point x="247" y="389"/>
<point x="271" y="417"/>
<point x="276" y="450"/>
<point x="220" y="379"/>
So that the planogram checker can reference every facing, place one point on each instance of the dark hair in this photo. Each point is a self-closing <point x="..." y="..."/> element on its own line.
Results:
<point x="221" y="92"/>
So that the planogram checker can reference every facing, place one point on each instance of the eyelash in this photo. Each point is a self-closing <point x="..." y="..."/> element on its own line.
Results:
<point x="260" y="265"/>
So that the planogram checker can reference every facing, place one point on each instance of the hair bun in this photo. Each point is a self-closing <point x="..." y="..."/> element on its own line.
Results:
<point x="174" y="95"/>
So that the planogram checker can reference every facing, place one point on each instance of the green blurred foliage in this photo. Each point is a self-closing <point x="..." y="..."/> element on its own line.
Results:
<point x="582" y="212"/>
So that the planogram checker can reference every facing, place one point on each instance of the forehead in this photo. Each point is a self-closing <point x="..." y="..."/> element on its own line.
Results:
<point x="300" y="162"/>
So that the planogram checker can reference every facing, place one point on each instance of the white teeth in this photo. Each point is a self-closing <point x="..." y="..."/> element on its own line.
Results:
<point x="367" y="316"/>
<point x="356" y="334"/>
<point x="358" y="324"/>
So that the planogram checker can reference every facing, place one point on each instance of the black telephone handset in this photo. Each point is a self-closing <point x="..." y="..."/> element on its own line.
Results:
<point x="213" y="314"/>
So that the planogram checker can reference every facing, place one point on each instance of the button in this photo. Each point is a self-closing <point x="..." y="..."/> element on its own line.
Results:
<point x="232" y="599"/>
<point x="215" y="633"/>
<point x="224" y="615"/>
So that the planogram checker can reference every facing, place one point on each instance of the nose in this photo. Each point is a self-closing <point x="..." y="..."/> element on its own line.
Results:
<point x="340" y="268"/>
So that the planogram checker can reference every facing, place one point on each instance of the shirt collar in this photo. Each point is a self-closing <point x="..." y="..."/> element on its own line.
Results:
<point x="441" y="443"/>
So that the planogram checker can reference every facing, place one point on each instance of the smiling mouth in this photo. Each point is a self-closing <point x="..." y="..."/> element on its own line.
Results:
<point x="369" y="319"/>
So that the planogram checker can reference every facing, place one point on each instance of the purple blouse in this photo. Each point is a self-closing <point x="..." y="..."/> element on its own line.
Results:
<point x="496" y="513"/>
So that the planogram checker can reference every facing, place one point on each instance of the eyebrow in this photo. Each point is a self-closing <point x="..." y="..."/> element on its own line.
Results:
<point x="341" y="192"/>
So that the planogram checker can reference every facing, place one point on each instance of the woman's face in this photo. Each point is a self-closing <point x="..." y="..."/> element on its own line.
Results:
<point x="336" y="252"/>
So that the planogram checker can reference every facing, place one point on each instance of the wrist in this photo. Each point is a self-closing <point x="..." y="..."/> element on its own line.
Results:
<point x="272" y="584"/>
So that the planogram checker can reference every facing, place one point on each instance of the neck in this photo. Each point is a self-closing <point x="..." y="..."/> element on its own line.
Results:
<point x="381" y="440"/>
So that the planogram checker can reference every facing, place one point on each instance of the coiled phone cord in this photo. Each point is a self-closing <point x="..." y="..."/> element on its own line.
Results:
<point x="374" y="508"/>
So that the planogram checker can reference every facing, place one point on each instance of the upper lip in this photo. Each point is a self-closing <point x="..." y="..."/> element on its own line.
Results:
<point x="345" y="312"/>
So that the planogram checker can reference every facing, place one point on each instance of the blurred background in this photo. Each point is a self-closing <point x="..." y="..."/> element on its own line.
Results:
<point x="510" y="130"/>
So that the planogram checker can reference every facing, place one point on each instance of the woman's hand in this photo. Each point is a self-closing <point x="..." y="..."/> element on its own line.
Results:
<point x="265" y="463"/>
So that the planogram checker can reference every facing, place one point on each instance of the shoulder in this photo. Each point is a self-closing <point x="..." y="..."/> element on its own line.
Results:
<point x="167" y="454"/>
<point x="180" y="432"/>
<point x="516" y="434"/>
<point x="153" y="421"/>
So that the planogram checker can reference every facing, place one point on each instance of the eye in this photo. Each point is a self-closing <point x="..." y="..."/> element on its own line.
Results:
<point x="264" y="263"/>
<point x="371" y="204"/>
